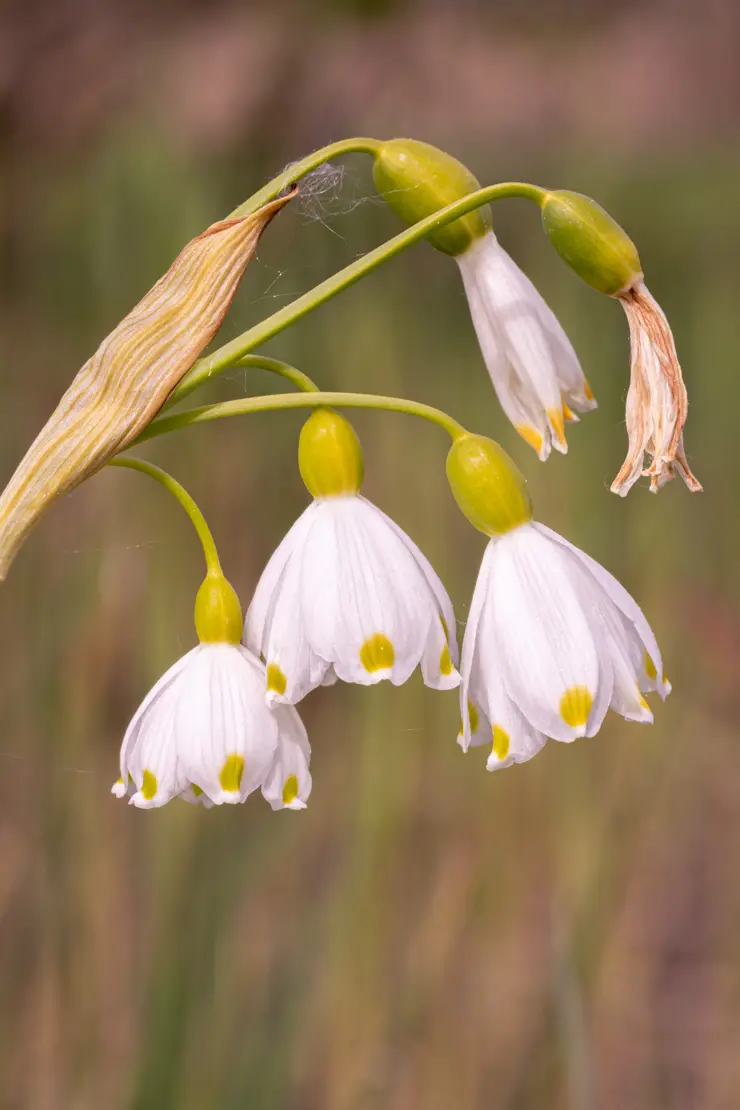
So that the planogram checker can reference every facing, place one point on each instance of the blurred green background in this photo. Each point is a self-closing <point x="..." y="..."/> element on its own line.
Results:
<point x="562" y="935"/>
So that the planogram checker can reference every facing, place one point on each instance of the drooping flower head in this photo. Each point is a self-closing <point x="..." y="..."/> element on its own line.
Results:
<point x="533" y="367"/>
<point x="204" y="732"/>
<point x="347" y="594"/>
<point x="532" y="364"/>
<point x="552" y="639"/>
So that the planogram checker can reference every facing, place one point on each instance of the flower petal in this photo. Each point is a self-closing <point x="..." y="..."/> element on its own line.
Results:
<point x="262" y="602"/>
<point x="433" y="580"/>
<point x="517" y="307"/>
<point x="367" y="605"/>
<point x="626" y="605"/>
<point x="571" y="380"/>
<point x="516" y="395"/>
<point x="532" y="363"/>
<point x="194" y="796"/>
<point x="293" y="668"/>
<point x="288" y="783"/>
<point x="437" y="668"/>
<point x="153" y="761"/>
<point x="227" y="735"/>
<point x="134" y="728"/>
<point x="500" y="724"/>
<point x="626" y="654"/>
<point x="550" y="663"/>
<point x="470" y="723"/>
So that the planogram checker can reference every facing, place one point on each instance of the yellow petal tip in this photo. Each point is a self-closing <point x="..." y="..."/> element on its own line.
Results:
<point x="276" y="680"/>
<point x="531" y="436"/>
<point x="557" y="423"/>
<point x="501" y="742"/>
<point x="290" y="790"/>
<point x="575" y="706"/>
<point x="231" y="773"/>
<point x="377" y="654"/>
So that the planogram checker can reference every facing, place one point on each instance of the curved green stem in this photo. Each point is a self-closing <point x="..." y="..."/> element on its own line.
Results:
<point x="259" y="362"/>
<point x="297" y="170"/>
<point x="276" y="401"/>
<point x="213" y="563"/>
<point x="231" y="352"/>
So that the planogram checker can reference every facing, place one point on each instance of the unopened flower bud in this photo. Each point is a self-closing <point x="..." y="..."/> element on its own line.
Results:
<point x="416" y="179"/>
<point x="218" y="614"/>
<point x="591" y="242"/>
<point x="330" y="455"/>
<point x="487" y="485"/>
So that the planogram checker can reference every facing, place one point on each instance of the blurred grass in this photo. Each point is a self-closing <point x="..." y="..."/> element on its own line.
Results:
<point x="425" y="935"/>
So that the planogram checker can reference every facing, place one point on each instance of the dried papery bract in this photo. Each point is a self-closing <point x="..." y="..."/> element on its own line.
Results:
<point x="657" y="402"/>
<point x="128" y="379"/>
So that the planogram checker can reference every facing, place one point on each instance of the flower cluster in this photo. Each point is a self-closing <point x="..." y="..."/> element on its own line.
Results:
<point x="552" y="640"/>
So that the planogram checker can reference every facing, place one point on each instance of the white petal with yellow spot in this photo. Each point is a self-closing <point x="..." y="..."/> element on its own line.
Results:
<point x="551" y="643"/>
<point x="488" y="715"/>
<point x="288" y="783"/>
<point x="531" y="361"/>
<point x="205" y="734"/>
<point x="348" y="595"/>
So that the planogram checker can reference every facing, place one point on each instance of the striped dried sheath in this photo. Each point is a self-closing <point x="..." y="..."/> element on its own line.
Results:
<point x="128" y="379"/>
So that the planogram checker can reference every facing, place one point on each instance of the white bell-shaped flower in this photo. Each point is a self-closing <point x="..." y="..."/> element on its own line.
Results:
<point x="552" y="642"/>
<point x="204" y="732"/>
<point x="347" y="594"/>
<point x="531" y="361"/>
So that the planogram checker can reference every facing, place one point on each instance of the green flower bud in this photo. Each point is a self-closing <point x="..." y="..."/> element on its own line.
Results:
<point x="416" y="180"/>
<point x="488" y="487"/>
<point x="329" y="455"/>
<point x="591" y="242"/>
<point x="218" y="614"/>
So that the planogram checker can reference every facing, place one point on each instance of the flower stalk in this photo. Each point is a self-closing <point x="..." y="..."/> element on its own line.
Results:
<point x="273" y="402"/>
<point x="255" y="362"/>
<point x="181" y="495"/>
<point x="228" y="355"/>
<point x="293" y="173"/>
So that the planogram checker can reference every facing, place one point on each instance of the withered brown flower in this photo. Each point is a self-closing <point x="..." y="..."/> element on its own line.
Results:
<point x="657" y="402"/>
